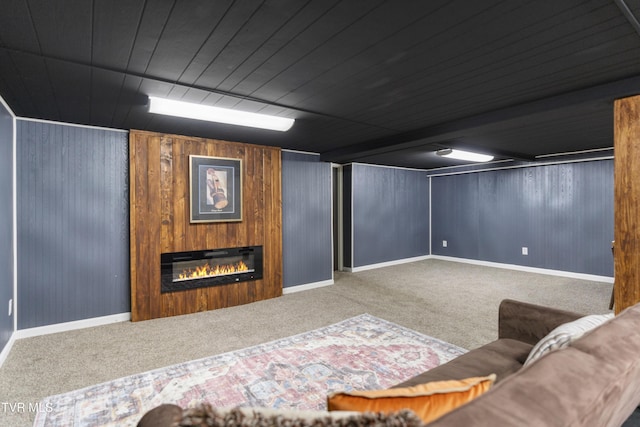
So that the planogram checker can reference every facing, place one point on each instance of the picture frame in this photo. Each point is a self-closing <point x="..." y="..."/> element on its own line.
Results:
<point x="215" y="188"/>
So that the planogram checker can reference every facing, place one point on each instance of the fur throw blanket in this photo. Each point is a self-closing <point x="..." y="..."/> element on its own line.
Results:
<point x="204" y="415"/>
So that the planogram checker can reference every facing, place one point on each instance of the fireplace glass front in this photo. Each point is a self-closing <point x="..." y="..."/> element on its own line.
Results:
<point x="197" y="269"/>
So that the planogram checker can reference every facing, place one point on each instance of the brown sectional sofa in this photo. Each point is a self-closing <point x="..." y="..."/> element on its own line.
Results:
<point x="595" y="382"/>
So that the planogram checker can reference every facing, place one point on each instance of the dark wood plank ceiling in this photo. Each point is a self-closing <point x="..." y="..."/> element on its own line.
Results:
<point x="384" y="82"/>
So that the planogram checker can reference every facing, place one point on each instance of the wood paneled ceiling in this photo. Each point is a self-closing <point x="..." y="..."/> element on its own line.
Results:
<point x="385" y="82"/>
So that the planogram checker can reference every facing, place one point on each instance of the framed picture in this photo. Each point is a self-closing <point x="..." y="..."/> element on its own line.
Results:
<point x="216" y="189"/>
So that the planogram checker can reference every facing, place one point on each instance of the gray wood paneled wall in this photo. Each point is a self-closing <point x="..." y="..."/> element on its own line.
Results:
<point x="6" y="225"/>
<point x="73" y="219"/>
<point x="73" y="223"/>
<point x="390" y="211"/>
<point x="306" y="219"/>
<point x="562" y="214"/>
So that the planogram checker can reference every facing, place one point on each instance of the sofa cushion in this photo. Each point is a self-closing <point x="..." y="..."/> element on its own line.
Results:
<point x="429" y="401"/>
<point x="502" y="358"/>
<point x="565" y="334"/>
<point x="528" y="322"/>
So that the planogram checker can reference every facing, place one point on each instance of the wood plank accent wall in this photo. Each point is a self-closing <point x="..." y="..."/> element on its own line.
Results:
<point x="627" y="202"/>
<point x="159" y="221"/>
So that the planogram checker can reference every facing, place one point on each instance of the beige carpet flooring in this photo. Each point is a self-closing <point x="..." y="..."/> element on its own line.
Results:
<point x="452" y="301"/>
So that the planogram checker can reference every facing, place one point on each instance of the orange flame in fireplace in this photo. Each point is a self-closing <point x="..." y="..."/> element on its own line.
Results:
<point x="208" y="271"/>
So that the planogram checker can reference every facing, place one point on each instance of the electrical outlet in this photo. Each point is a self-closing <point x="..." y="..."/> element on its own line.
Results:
<point x="10" y="306"/>
<point x="444" y="243"/>
<point x="525" y="250"/>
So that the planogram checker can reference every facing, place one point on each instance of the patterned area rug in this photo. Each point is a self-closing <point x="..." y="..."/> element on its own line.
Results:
<point x="297" y="372"/>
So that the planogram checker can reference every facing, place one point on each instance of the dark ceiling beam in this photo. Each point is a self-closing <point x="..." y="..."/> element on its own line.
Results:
<point x="454" y="129"/>
<point x="448" y="143"/>
<point x="628" y="14"/>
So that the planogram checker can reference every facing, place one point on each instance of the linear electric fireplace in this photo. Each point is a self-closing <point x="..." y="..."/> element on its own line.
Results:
<point x="199" y="269"/>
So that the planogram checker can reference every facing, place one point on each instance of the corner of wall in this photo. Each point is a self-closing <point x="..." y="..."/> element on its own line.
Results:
<point x="9" y="294"/>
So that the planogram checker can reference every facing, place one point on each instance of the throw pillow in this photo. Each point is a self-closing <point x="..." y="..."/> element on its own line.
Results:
<point x="565" y="334"/>
<point x="429" y="401"/>
<point x="205" y="415"/>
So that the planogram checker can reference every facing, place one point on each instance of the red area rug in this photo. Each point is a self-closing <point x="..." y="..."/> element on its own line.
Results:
<point x="361" y="353"/>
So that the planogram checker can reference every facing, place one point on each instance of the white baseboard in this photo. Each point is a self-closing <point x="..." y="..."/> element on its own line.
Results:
<point x="7" y="349"/>
<point x="386" y="264"/>
<point x="306" y="287"/>
<point x="70" y="326"/>
<point x="560" y="273"/>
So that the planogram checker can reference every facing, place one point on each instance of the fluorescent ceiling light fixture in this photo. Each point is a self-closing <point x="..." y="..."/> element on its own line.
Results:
<point x="216" y="114"/>
<point x="464" y="155"/>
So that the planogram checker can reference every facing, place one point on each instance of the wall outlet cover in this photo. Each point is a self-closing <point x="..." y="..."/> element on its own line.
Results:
<point x="525" y="250"/>
<point x="444" y="243"/>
